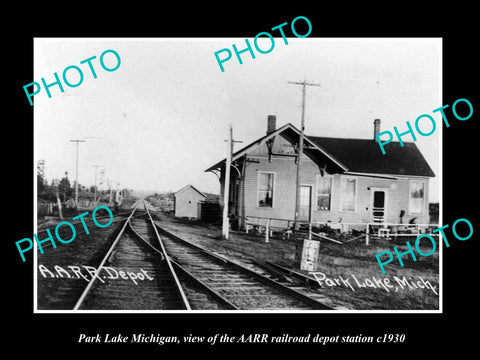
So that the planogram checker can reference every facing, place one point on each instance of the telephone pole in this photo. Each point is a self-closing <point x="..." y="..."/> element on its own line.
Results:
<point x="226" y="191"/>
<point x="110" y="189"/>
<point x="226" y="188"/>
<point x="76" y="172"/>
<point x="300" y="150"/>
<point x="95" y="190"/>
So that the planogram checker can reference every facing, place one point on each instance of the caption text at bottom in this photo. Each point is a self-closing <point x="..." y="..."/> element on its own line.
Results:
<point x="244" y="338"/>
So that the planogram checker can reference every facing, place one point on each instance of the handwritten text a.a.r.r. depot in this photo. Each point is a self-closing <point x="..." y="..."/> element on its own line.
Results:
<point x="106" y="273"/>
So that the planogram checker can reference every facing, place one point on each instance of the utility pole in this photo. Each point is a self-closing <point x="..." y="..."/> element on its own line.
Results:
<point x="226" y="191"/>
<point x="59" y="203"/>
<point x="95" y="190"/>
<point x="300" y="150"/>
<point x="76" y="173"/>
<point x="226" y="188"/>
<point x="110" y="188"/>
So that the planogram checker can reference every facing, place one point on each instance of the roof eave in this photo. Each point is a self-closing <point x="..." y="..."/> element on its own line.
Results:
<point x="193" y="187"/>
<point x="257" y="142"/>
<point x="388" y="176"/>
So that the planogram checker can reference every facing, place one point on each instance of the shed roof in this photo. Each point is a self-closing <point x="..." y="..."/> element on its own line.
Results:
<point x="190" y="186"/>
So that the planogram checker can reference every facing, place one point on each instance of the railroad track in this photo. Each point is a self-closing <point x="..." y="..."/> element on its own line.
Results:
<point x="143" y="267"/>
<point x="163" y="284"/>
<point x="239" y="286"/>
<point x="133" y="275"/>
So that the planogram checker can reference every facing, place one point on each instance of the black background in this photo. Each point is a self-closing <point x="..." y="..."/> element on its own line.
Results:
<point x="55" y="335"/>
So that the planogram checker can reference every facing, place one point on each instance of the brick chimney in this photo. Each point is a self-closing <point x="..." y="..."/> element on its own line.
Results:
<point x="271" y="124"/>
<point x="376" y="128"/>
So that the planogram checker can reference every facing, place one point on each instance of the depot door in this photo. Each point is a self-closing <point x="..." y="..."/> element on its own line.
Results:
<point x="378" y="206"/>
<point x="305" y="203"/>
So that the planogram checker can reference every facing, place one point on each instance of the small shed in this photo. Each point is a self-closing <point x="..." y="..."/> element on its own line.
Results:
<point x="187" y="201"/>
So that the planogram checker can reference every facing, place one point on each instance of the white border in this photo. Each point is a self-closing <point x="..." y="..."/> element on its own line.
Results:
<point x="240" y="312"/>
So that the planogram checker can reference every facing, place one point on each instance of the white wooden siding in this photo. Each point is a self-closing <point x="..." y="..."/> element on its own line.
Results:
<point x="186" y="203"/>
<point x="285" y="188"/>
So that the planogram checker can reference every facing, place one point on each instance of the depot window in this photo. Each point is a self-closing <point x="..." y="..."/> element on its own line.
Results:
<point x="324" y="192"/>
<point x="417" y="197"/>
<point x="265" y="189"/>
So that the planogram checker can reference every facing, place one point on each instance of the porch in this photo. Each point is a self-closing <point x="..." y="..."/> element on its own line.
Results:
<point x="340" y="232"/>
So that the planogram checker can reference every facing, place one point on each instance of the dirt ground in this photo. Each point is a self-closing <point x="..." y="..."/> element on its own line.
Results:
<point x="350" y="274"/>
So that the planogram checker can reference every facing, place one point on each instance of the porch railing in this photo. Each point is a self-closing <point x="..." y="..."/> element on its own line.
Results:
<point x="267" y="226"/>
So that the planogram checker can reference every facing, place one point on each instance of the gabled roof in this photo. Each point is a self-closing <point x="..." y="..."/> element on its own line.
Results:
<point x="351" y="155"/>
<point x="193" y="187"/>
<point x="288" y="131"/>
<point x="364" y="156"/>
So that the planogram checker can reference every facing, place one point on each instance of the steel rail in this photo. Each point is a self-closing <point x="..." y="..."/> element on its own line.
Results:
<point x="169" y="264"/>
<point x="104" y="260"/>
<point x="199" y="282"/>
<point x="285" y="289"/>
<point x="146" y="242"/>
<point x="294" y="273"/>
<point x="192" y="277"/>
<point x="272" y="271"/>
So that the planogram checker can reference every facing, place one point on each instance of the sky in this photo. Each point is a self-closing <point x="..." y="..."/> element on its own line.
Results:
<point x="159" y="120"/>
